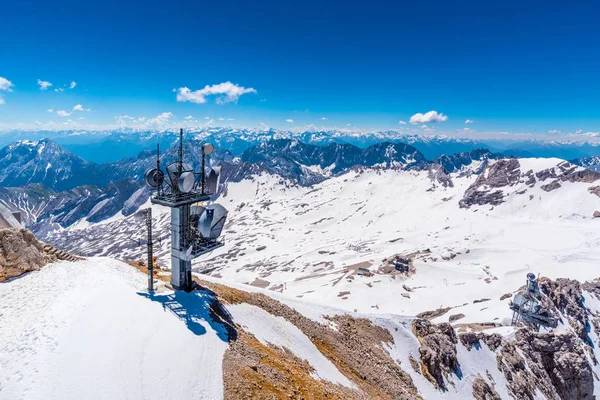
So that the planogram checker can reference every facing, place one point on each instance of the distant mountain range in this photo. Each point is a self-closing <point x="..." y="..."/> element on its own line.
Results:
<point x="116" y="144"/>
<point x="54" y="188"/>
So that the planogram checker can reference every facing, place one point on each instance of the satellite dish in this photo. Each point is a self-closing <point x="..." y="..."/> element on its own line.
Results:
<point x="185" y="183"/>
<point x="213" y="179"/>
<point x="211" y="222"/>
<point x="173" y="171"/>
<point x="154" y="177"/>
<point x="207" y="148"/>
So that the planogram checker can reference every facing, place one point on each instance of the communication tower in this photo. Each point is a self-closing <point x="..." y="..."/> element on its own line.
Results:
<point x="195" y="229"/>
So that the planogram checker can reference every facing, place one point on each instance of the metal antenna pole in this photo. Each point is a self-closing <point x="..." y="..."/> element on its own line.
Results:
<point x="158" y="164"/>
<point x="203" y="171"/>
<point x="150" y="261"/>
<point x="180" y="151"/>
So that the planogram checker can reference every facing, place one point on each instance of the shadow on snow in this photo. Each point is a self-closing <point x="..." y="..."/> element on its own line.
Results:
<point x="195" y="307"/>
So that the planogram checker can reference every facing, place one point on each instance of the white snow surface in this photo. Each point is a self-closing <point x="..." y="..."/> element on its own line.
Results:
<point x="88" y="330"/>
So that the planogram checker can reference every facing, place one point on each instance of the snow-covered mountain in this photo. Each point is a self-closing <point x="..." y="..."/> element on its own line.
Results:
<point x="47" y="163"/>
<point x="305" y="297"/>
<point x="112" y="145"/>
<point x="116" y="188"/>
<point x="309" y="164"/>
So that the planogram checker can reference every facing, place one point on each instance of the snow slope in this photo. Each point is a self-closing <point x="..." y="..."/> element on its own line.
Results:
<point x="88" y="330"/>
<point x="309" y="243"/>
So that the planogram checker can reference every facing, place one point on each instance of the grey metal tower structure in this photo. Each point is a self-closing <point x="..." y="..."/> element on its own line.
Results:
<point x="526" y="307"/>
<point x="194" y="230"/>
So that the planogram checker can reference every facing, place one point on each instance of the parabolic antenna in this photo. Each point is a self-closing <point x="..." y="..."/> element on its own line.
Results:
<point x="154" y="177"/>
<point x="207" y="148"/>
<point x="211" y="221"/>
<point x="213" y="179"/>
<point x="173" y="171"/>
<point x="185" y="183"/>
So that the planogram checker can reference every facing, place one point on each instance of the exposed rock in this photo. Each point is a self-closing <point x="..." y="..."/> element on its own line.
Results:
<point x="473" y="339"/>
<point x="355" y="348"/>
<point x="505" y="296"/>
<point x="501" y="174"/>
<point x="455" y="317"/>
<point x="594" y="190"/>
<point x="551" y="186"/>
<point x="567" y="298"/>
<point x="555" y="364"/>
<point x="438" y="175"/>
<point x="483" y="391"/>
<point x="438" y="350"/>
<point x="21" y="252"/>
<point x="433" y="314"/>
<point x="480" y="301"/>
<point x="596" y="214"/>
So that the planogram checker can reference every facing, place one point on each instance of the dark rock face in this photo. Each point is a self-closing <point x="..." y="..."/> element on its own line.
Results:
<point x="568" y="172"/>
<point x="438" y="350"/>
<point x="455" y="317"/>
<point x="483" y="391"/>
<point x="439" y="176"/>
<point x="558" y="359"/>
<point x="551" y="186"/>
<point x="567" y="297"/>
<point x="455" y="162"/>
<point x="501" y="174"/>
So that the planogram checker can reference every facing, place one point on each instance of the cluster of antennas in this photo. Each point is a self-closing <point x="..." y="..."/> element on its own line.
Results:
<point x="182" y="178"/>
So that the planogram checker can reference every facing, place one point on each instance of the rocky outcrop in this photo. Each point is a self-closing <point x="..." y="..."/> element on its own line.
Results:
<point x="354" y="347"/>
<point x="485" y="189"/>
<point x="488" y="187"/>
<point x="439" y="176"/>
<point x="21" y="252"/>
<point x="566" y="297"/>
<point x="568" y="172"/>
<point x="553" y="363"/>
<point x="438" y="351"/>
<point x="483" y="391"/>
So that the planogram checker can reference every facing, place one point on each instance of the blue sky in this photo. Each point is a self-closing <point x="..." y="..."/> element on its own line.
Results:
<point x="508" y="66"/>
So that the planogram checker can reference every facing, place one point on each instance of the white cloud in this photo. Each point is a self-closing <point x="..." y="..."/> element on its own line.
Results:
<point x="160" y="119"/>
<point x="324" y="119"/>
<point x="225" y="92"/>
<point x="5" y="84"/>
<point x="59" y="90"/>
<point x="402" y="122"/>
<point x="430" y="116"/>
<point x="72" y="85"/>
<point x="50" y="110"/>
<point x="44" y="85"/>
<point x="468" y="130"/>
<point x="347" y="124"/>
<point x="555" y="132"/>
<point x="189" y="117"/>
<point x="469" y="121"/>
<point x="221" y="119"/>
<point x="423" y="126"/>
<point x="263" y="100"/>
<point x="289" y="120"/>
<point x="141" y="119"/>
<point x="207" y="118"/>
<point x="63" y="113"/>
<point x="79" y="107"/>
<point x="230" y="119"/>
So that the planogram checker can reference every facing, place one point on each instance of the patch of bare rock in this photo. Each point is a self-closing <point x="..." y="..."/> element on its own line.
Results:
<point x="21" y="252"/>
